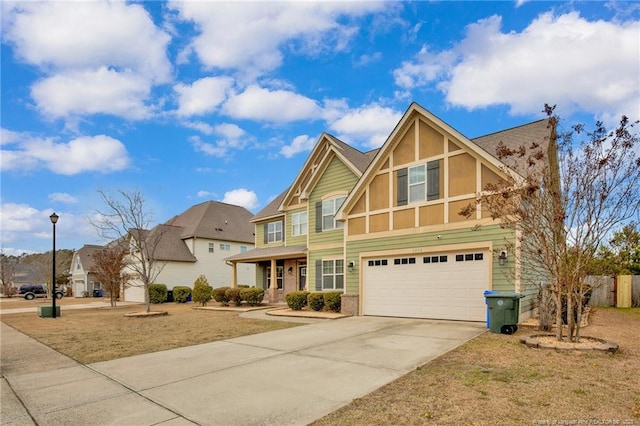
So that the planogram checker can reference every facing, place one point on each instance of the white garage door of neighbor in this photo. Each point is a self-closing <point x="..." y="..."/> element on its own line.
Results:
<point x="134" y="294"/>
<point x="438" y="286"/>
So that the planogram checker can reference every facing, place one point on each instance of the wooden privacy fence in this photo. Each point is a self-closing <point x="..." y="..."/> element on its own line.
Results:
<point x="604" y="291"/>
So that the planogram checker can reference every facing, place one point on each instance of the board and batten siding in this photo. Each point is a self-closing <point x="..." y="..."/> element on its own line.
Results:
<point x="423" y="242"/>
<point x="336" y="179"/>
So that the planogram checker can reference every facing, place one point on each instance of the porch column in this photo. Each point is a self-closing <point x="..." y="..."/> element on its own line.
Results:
<point x="234" y="274"/>
<point x="273" y="289"/>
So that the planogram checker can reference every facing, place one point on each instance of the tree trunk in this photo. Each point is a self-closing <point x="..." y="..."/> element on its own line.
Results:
<point x="559" y="290"/>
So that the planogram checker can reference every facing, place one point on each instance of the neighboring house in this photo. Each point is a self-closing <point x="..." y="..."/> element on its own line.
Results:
<point x="384" y="228"/>
<point x="196" y="243"/>
<point x="83" y="280"/>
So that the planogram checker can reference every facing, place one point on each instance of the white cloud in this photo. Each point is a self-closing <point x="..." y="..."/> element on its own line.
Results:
<point x="93" y="92"/>
<point x="62" y="197"/>
<point x="565" y="60"/>
<point x="367" y="59"/>
<point x="204" y="194"/>
<point x="230" y="135"/>
<point x="202" y="96"/>
<point x="369" y="125"/>
<point x="280" y="106"/>
<point x="241" y="197"/>
<point x="83" y="154"/>
<point x="24" y="225"/>
<point x="299" y="144"/>
<point x="200" y="126"/>
<point x="251" y="35"/>
<point x="97" y="57"/>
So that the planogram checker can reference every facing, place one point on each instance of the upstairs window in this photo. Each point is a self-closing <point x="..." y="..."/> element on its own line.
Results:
<point x="418" y="183"/>
<point x="211" y="247"/>
<point x="273" y="232"/>
<point x="225" y="247"/>
<point x="326" y="212"/>
<point x="299" y="224"/>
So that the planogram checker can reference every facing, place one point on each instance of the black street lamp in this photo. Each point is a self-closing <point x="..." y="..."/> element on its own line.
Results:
<point x="54" y="220"/>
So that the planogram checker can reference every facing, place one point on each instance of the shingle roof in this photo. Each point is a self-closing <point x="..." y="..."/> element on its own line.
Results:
<point x="269" y="253"/>
<point x="359" y="159"/>
<point x="170" y="246"/>
<point x="215" y="220"/>
<point x="526" y="135"/>
<point x="86" y="256"/>
<point x="271" y="209"/>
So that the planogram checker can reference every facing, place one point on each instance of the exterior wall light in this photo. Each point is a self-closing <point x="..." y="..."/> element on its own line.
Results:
<point x="502" y="259"/>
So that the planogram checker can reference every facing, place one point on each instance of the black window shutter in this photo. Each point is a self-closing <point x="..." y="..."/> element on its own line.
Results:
<point x="319" y="216"/>
<point x="318" y="275"/>
<point x="402" y="187"/>
<point x="433" y="180"/>
<point x="266" y="233"/>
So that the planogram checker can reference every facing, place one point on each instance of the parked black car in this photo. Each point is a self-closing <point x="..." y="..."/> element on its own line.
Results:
<point x="31" y="291"/>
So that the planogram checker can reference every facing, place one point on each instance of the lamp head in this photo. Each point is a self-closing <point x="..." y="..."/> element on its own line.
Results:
<point x="54" y="218"/>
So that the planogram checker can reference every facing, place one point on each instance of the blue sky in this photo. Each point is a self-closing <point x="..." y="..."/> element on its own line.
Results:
<point x="195" y="101"/>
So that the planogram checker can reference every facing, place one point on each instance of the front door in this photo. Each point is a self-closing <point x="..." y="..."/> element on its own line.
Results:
<point x="302" y="277"/>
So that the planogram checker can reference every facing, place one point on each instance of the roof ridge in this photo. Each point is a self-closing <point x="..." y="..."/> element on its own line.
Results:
<point x="508" y="129"/>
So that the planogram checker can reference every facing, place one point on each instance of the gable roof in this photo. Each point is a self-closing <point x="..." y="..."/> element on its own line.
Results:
<point x="216" y="221"/>
<point x="358" y="161"/>
<point x="86" y="257"/>
<point x="271" y="209"/>
<point x="484" y="147"/>
<point x="170" y="245"/>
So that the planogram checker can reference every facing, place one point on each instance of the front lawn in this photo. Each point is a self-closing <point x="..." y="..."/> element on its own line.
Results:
<point x="495" y="380"/>
<point x="101" y="334"/>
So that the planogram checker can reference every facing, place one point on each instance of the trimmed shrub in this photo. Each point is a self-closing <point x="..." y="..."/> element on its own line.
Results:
<point x="181" y="294"/>
<point x="332" y="300"/>
<point x="220" y="295"/>
<point x="233" y="295"/>
<point x="243" y="286"/>
<point x="297" y="300"/>
<point x="252" y="295"/>
<point x="201" y="290"/>
<point x="315" y="301"/>
<point x="158" y="293"/>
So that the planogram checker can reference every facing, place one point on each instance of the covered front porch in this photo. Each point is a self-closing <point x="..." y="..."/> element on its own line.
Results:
<point x="279" y="270"/>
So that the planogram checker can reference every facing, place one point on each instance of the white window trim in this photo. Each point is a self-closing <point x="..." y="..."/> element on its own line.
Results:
<point x="272" y="232"/>
<point x="335" y="224"/>
<point x="279" y="277"/>
<point x="333" y="274"/>
<point x="299" y="227"/>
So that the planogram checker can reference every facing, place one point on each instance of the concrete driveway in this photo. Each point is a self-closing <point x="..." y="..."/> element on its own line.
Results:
<point x="291" y="376"/>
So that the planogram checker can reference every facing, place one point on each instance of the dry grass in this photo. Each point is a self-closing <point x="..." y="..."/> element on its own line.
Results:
<point x="19" y="302"/>
<point x="100" y="334"/>
<point x="495" y="380"/>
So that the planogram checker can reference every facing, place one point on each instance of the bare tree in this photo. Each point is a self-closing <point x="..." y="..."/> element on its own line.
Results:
<point x="564" y="205"/>
<point x="126" y="218"/>
<point x="7" y="272"/>
<point x="109" y="265"/>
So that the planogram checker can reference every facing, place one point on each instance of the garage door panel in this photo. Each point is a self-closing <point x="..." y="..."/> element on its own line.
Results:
<point x="439" y="289"/>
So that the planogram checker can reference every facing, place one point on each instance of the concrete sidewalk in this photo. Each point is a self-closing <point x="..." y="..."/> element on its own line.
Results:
<point x="291" y="376"/>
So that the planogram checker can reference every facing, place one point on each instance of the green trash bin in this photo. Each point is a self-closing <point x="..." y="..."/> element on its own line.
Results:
<point x="504" y="310"/>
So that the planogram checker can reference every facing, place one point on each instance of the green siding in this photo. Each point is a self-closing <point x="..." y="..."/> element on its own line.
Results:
<point x="319" y="255"/>
<point x="337" y="177"/>
<point x="260" y="234"/>
<point x="299" y="240"/>
<point x="491" y="233"/>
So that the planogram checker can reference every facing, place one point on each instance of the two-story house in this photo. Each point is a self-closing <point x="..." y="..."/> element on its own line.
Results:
<point x="83" y="280"/>
<point x="385" y="227"/>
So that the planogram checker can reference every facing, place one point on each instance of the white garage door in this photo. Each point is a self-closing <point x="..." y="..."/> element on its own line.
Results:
<point x="134" y="293"/>
<point x="439" y="285"/>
